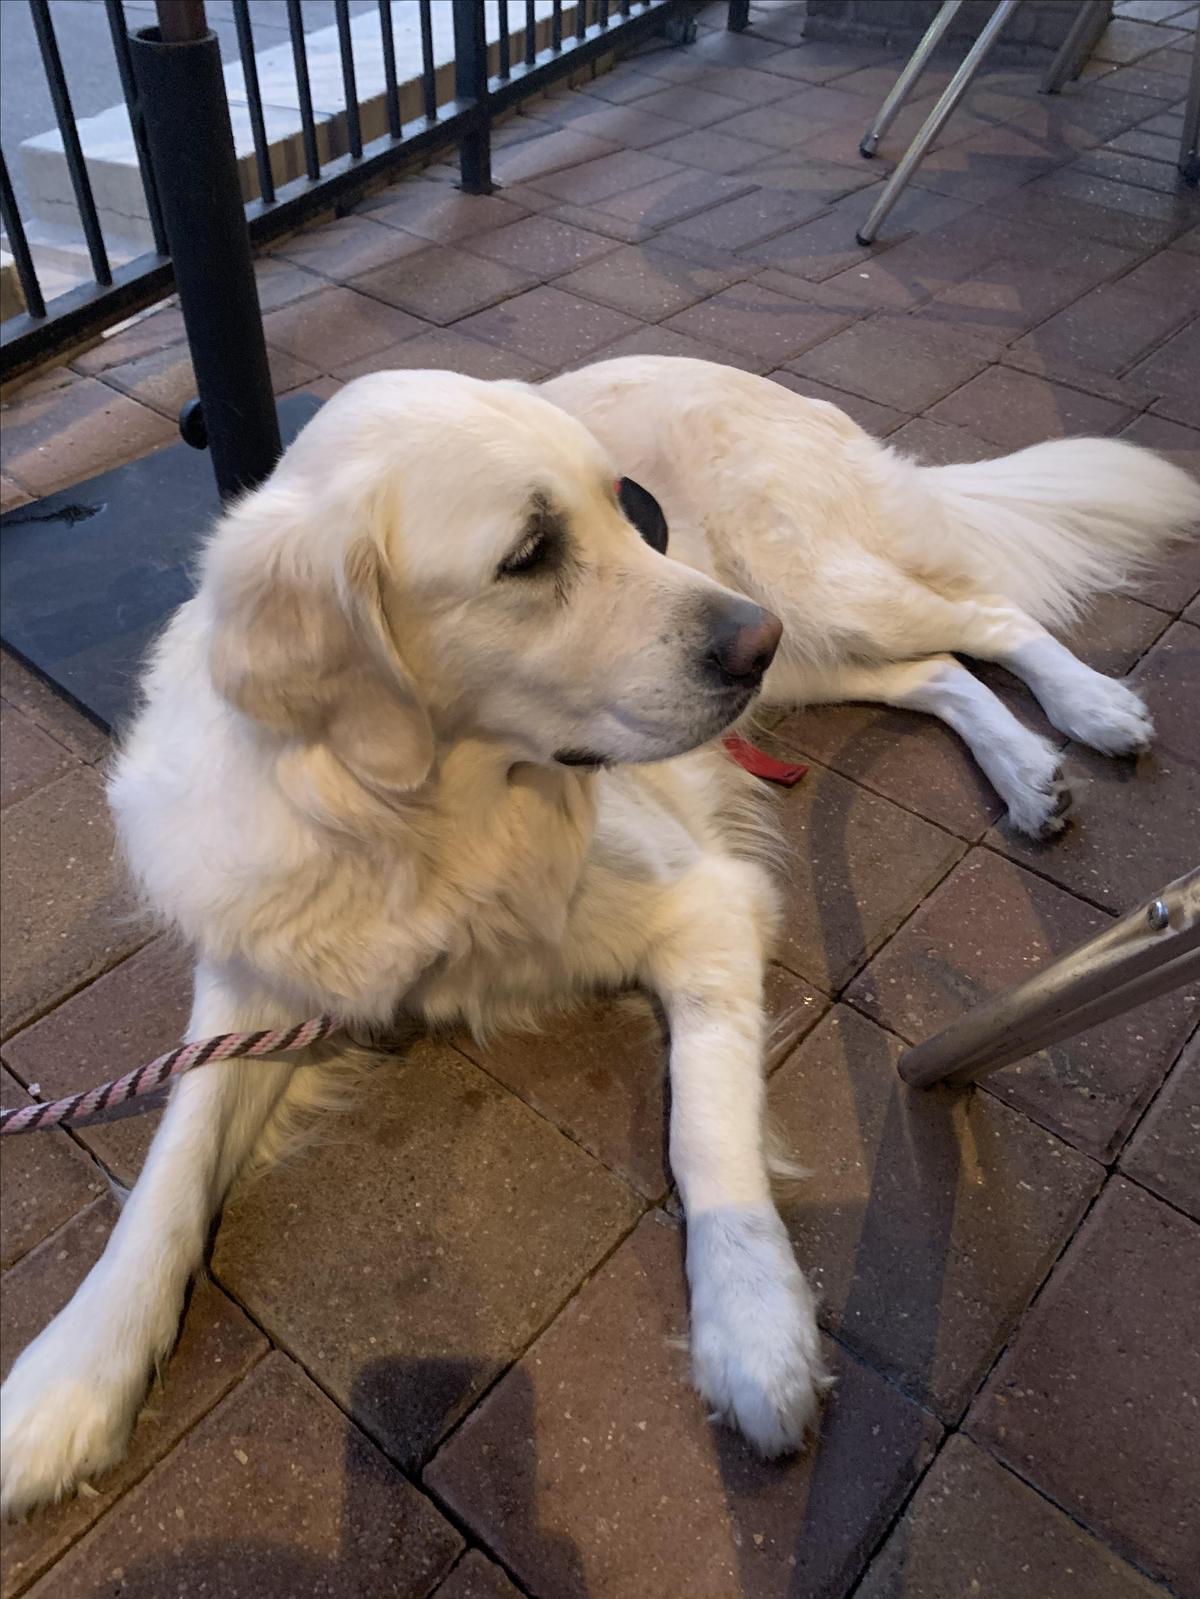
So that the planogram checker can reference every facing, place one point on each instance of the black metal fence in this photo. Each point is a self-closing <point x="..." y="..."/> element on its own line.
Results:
<point x="530" y="47"/>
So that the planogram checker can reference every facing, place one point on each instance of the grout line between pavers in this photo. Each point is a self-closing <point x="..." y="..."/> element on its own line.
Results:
<point x="1145" y="1111"/>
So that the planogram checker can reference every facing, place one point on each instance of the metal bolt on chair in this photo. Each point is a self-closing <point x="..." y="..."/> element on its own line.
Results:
<point x="1069" y="62"/>
<point x="1149" y="952"/>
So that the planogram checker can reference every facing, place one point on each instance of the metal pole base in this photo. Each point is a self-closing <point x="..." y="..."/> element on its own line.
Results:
<point x="1145" y="954"/>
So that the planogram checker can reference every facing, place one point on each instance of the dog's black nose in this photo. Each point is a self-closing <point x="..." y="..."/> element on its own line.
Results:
<point x="744" y="642"/>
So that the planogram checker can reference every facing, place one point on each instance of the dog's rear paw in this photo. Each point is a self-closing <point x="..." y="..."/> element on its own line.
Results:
<point x="756" y="1356"/>
<point x="1107" y="715"/>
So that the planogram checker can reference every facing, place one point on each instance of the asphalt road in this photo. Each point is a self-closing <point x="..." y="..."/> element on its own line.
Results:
<point x="85" y="43"/>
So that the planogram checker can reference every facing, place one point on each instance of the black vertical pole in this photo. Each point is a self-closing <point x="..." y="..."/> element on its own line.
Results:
<point x="471" y="84"/>
<point x="178" y="72"/>
<point x="739" y="15"/>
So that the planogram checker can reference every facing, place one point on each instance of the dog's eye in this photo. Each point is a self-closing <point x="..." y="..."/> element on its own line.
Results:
<point x="528" y="555"/>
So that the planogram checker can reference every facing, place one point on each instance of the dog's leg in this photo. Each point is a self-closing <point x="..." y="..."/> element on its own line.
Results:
<point x="1083" y="703"/>
<point x="1023" y="768"/>
<point x="70" y="1401"/>
<point x="756" y="1355"/>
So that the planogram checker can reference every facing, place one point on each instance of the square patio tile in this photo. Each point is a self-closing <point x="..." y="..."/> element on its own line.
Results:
<point x="599" y="1072"/>
<point x="647" y="282"/>
<point x="607" y="175"/>
<point x="421" y="1245"/>
<point x="857" y="866"/>
<point x="656" y="205"/>
<point x="62" y="434"/>
<point x="930" y="1218"/>
<point x="751" y="217"/>
<point x="711" y="150"/>
<point x="822" y="60"/>
<point x="477" y="1578"/>
<point x="29" y="758"/>
<point x="273" y="1494"/>
<point x="542" y="246"/>
<point x="938" y="444"/>
<point x="438" y="211"/>
<point x="336" y="326"/>
<point x="1109" y="329"/>
<point x="216" y="1347"/>
<point x="1002" y="301"/>
<point x="691" y="105"/>
<point x="1097" y="208"/>
<point x="132" y="1014"/>
<point x="895" y="361"/>
<point x="66" y="911"/>
<point x="348" y="246"/>
<point x="550" y="151"/>
<point x="974" y="1528"/>
<point x="660" y="340"/>
<point x="450" y="349"/>
<point x="827" y="245"/>
<point x="877" y="419"/>
<point x="549" y="327"/>
<point x="630" y="127"/>
<point x="750" y="319"/>
<point x="1170" y="272"/>
<point x="165" y="380"/>
<point x="912" y="759"/>
<point x="53" y="714"/>
<point x="992" y="924"/>
<point x="1178" y="443"/>
<point x="1089" y="1403"/>
<point x="156" y="331"/>
<point x="1014" y="409"/>
<point x="1134" y="829"/>
<point x="592" y="1471"/>
<point x="12" y="494"/>
<point x="444" y="283"/>
<point x="44" y="1181"/>
<point x="1164" y="1152"/>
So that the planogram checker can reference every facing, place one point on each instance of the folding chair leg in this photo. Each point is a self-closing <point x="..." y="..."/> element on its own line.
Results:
<point x="1145" y="954"/>
<point x="1075" y="49"/>
<point x="937" y="119"/>
<point x="903" y="85"/>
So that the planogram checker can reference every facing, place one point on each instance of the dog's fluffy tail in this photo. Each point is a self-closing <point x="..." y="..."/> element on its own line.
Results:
<point x="1052" y="525"/>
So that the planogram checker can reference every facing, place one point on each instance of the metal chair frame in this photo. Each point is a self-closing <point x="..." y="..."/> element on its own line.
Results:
<point x="1068" y="63"/>
<point x="1145" y="954"/>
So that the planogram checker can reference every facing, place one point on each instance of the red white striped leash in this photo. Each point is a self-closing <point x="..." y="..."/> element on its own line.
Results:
<point x="225" y="1046"/>
<point x="283" y="1040"/>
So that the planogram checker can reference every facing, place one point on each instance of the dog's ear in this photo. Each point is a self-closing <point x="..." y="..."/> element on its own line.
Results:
<point x="644" y="511"/>
<point x="300" y="643"/>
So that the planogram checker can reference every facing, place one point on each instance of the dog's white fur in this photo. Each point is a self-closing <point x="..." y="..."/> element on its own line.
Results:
<point x="883" y="570"/>
<point x="342" y="787"/>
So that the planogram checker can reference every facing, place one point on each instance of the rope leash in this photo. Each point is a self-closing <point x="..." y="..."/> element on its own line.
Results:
<point x="283" y="1040"/>
<point x="202" y="1052"/>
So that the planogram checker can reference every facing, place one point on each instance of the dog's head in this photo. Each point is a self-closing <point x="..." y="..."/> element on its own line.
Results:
<point x="439" y="558"/>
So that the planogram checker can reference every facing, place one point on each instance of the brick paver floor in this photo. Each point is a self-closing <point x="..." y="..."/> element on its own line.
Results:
<point x="438" y="1354"/>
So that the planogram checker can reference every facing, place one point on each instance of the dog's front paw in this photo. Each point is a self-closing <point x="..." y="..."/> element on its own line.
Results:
<point x="756" y="1354"/>
<point x="65" y="1416"/>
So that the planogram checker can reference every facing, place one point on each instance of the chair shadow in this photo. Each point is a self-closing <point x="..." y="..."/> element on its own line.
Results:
<point x="366" y="1560"/>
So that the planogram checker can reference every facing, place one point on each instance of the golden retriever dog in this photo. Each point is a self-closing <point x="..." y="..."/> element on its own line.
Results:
<point x="438" y="735"/>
